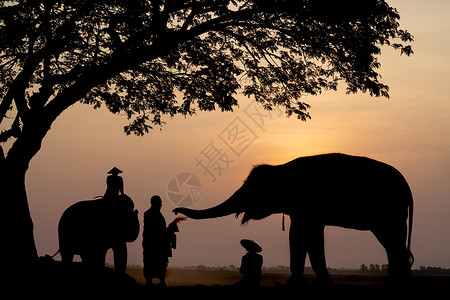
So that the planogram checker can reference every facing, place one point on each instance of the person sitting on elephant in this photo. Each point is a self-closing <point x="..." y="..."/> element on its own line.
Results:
<point x="156" y="243"/>
<point x="251" y="265"/>
<point x="114" y="184"/>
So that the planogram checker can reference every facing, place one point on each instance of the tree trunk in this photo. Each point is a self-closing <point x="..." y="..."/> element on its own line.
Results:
<point x="18" y="246"/>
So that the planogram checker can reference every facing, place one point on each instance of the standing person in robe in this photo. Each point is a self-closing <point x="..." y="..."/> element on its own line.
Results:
<point x="158" y="241"/>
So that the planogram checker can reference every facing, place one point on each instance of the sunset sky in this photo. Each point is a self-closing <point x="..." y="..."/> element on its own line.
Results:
<point x="410" y="131"/>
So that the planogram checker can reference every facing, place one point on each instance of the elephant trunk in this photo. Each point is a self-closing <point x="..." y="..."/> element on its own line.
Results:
<point x="223" y="209"/>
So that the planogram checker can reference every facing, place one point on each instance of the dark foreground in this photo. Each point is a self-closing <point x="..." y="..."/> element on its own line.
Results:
<point x="58" y="281"/>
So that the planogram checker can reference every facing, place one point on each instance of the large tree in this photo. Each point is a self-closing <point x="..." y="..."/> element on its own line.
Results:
<point x="149" y="58"/>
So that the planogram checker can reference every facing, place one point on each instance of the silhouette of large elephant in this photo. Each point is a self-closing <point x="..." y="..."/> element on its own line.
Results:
<point x="89" y="228"/>
<point x="329" y="189"/>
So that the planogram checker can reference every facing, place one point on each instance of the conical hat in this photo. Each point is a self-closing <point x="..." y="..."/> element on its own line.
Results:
<point x="251" y="245"/>
<point x="115" y="171"/>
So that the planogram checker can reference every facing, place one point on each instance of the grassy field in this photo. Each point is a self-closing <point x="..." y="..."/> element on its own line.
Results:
<point x="183" y="277"/>
<point x="69" y="281"/>
<point x="209" y="283"/>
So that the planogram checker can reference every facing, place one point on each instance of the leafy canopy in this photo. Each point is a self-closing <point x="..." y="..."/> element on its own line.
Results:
<point x="147" y="58"/>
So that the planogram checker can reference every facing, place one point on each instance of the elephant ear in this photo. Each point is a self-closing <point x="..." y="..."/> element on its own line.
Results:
<point x="125" y="203"/>
<point x="255" y="214"/>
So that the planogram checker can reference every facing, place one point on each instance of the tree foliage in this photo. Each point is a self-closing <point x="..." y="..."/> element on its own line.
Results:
<point x="149" y="58"/>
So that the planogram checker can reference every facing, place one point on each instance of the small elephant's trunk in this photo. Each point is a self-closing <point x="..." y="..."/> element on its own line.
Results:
<point x="133" y="227"/>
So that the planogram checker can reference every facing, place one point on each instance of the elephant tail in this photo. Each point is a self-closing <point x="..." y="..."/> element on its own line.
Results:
<point x="57" y="252"/>
<point x="410" y="223"/>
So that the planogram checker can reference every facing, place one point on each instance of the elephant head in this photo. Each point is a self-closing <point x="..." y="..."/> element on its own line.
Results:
<point x="125" y="218"/>
<point x="131" y="226"/>
<point x="256" y="198"/>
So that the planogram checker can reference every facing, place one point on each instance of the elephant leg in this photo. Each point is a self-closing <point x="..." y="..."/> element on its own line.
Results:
<point x="94" y="257"/>
<point x="120" y="257"/>
<point x="316" y="252"/>
<point x="66" y="255"/>
<point x="393" y="239"/>
<point x="298" y="255"/>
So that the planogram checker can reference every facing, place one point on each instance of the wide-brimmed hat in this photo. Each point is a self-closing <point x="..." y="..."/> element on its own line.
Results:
<point x="115" y="171"/>
<point x="251" y="245"/>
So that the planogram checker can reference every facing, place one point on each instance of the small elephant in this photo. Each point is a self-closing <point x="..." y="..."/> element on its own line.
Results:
<point x="89" y="228"/>
<point x="330" y="189"/>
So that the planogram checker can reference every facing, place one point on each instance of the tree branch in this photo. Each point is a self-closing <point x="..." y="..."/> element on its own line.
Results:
<point x="211" y="24"/>
<point x="14" y="131"/>
<point x="91" y="76"/>
<point x="2" y="155"/>
<point x="5" y="105"/>
<point x="188" y="20"/>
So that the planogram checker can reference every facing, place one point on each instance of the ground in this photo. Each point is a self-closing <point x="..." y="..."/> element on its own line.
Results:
<point x="206" y="283"/>
<point x="59" y="281"/>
